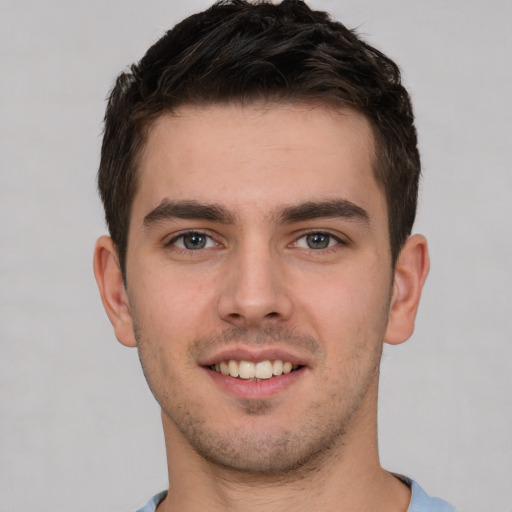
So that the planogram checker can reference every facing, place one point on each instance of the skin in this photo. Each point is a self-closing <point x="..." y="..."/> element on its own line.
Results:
<point x="258" y="288"/>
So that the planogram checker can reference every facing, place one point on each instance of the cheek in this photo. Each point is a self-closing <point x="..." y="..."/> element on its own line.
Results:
<point x="167" y="315"/>
<point x="170" y="306"/>
<point x="347" y="308"/>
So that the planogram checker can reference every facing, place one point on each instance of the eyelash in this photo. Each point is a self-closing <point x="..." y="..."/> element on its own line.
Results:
<point x="330" y="247"/>
<point x="173" y="242"/>
<point x="211" y="243"/>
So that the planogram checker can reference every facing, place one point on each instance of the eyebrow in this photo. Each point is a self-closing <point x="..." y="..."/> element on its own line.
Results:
<point x="336" y="208"/>
<point x="190" y="209"/>
<point x="168" y="210"/>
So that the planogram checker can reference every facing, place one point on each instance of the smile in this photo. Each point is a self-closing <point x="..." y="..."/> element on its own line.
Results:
<point x="248" y="370"/>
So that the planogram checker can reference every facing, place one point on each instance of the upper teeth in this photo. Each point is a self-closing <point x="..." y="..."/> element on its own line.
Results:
<point x="248" y="370"/>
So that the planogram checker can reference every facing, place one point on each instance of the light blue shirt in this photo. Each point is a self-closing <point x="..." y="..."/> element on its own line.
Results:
<point x="420" y="501"/>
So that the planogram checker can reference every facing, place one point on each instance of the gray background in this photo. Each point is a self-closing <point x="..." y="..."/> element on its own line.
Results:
<point x="78" y="428"/>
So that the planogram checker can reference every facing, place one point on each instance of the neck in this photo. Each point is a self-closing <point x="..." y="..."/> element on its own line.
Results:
<point x="348" y="476"/>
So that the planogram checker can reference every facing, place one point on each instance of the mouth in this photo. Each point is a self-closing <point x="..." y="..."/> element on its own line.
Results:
<point x="254" y="371"/>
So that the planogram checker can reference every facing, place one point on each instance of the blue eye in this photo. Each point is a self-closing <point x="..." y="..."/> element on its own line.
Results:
<point x="193" y="241"/>
<point x="317" y="240"/>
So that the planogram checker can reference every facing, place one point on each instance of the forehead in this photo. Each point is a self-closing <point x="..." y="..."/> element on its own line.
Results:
<point x="259" y="155"/>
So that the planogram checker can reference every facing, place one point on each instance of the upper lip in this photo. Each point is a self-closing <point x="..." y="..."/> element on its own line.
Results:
<point x="254" y="355"/>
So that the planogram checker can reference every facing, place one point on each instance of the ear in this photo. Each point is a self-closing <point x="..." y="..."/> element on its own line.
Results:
<point x="410" y="273"/>
<point x="112" y="290"/>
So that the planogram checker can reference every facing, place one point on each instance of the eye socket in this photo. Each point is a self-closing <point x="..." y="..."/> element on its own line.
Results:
<point x="193" y="241"/>
<point x="317" y="240"/>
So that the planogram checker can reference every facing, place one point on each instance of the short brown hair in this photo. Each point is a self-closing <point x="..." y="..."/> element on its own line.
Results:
<point x="239" y="51"/>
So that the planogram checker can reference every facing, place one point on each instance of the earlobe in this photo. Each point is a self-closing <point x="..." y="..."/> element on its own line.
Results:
<point x="410" y="273"/>
<point x="112" y="290"/>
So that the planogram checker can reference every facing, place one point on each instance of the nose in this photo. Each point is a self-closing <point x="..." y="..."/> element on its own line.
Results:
<point x="254" y="291"/>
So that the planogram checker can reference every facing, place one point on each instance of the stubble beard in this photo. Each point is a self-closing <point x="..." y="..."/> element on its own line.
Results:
<point x="274" y="452"/>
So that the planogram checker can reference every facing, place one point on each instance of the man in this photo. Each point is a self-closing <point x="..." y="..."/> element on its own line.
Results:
<point x="259" y="174"/>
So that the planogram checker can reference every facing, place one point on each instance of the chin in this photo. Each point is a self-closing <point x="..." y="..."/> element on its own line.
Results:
<point x="266" y="451"/>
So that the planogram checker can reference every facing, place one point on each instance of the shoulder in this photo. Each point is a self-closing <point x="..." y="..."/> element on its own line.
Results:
<point x="151" y="505"/>
<point x="422" y="502"/>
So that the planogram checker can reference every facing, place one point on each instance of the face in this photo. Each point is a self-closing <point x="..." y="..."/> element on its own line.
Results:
<point x="259" y="247"/>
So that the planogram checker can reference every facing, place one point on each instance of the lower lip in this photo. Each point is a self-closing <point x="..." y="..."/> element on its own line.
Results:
<point x="255" y="389"/>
